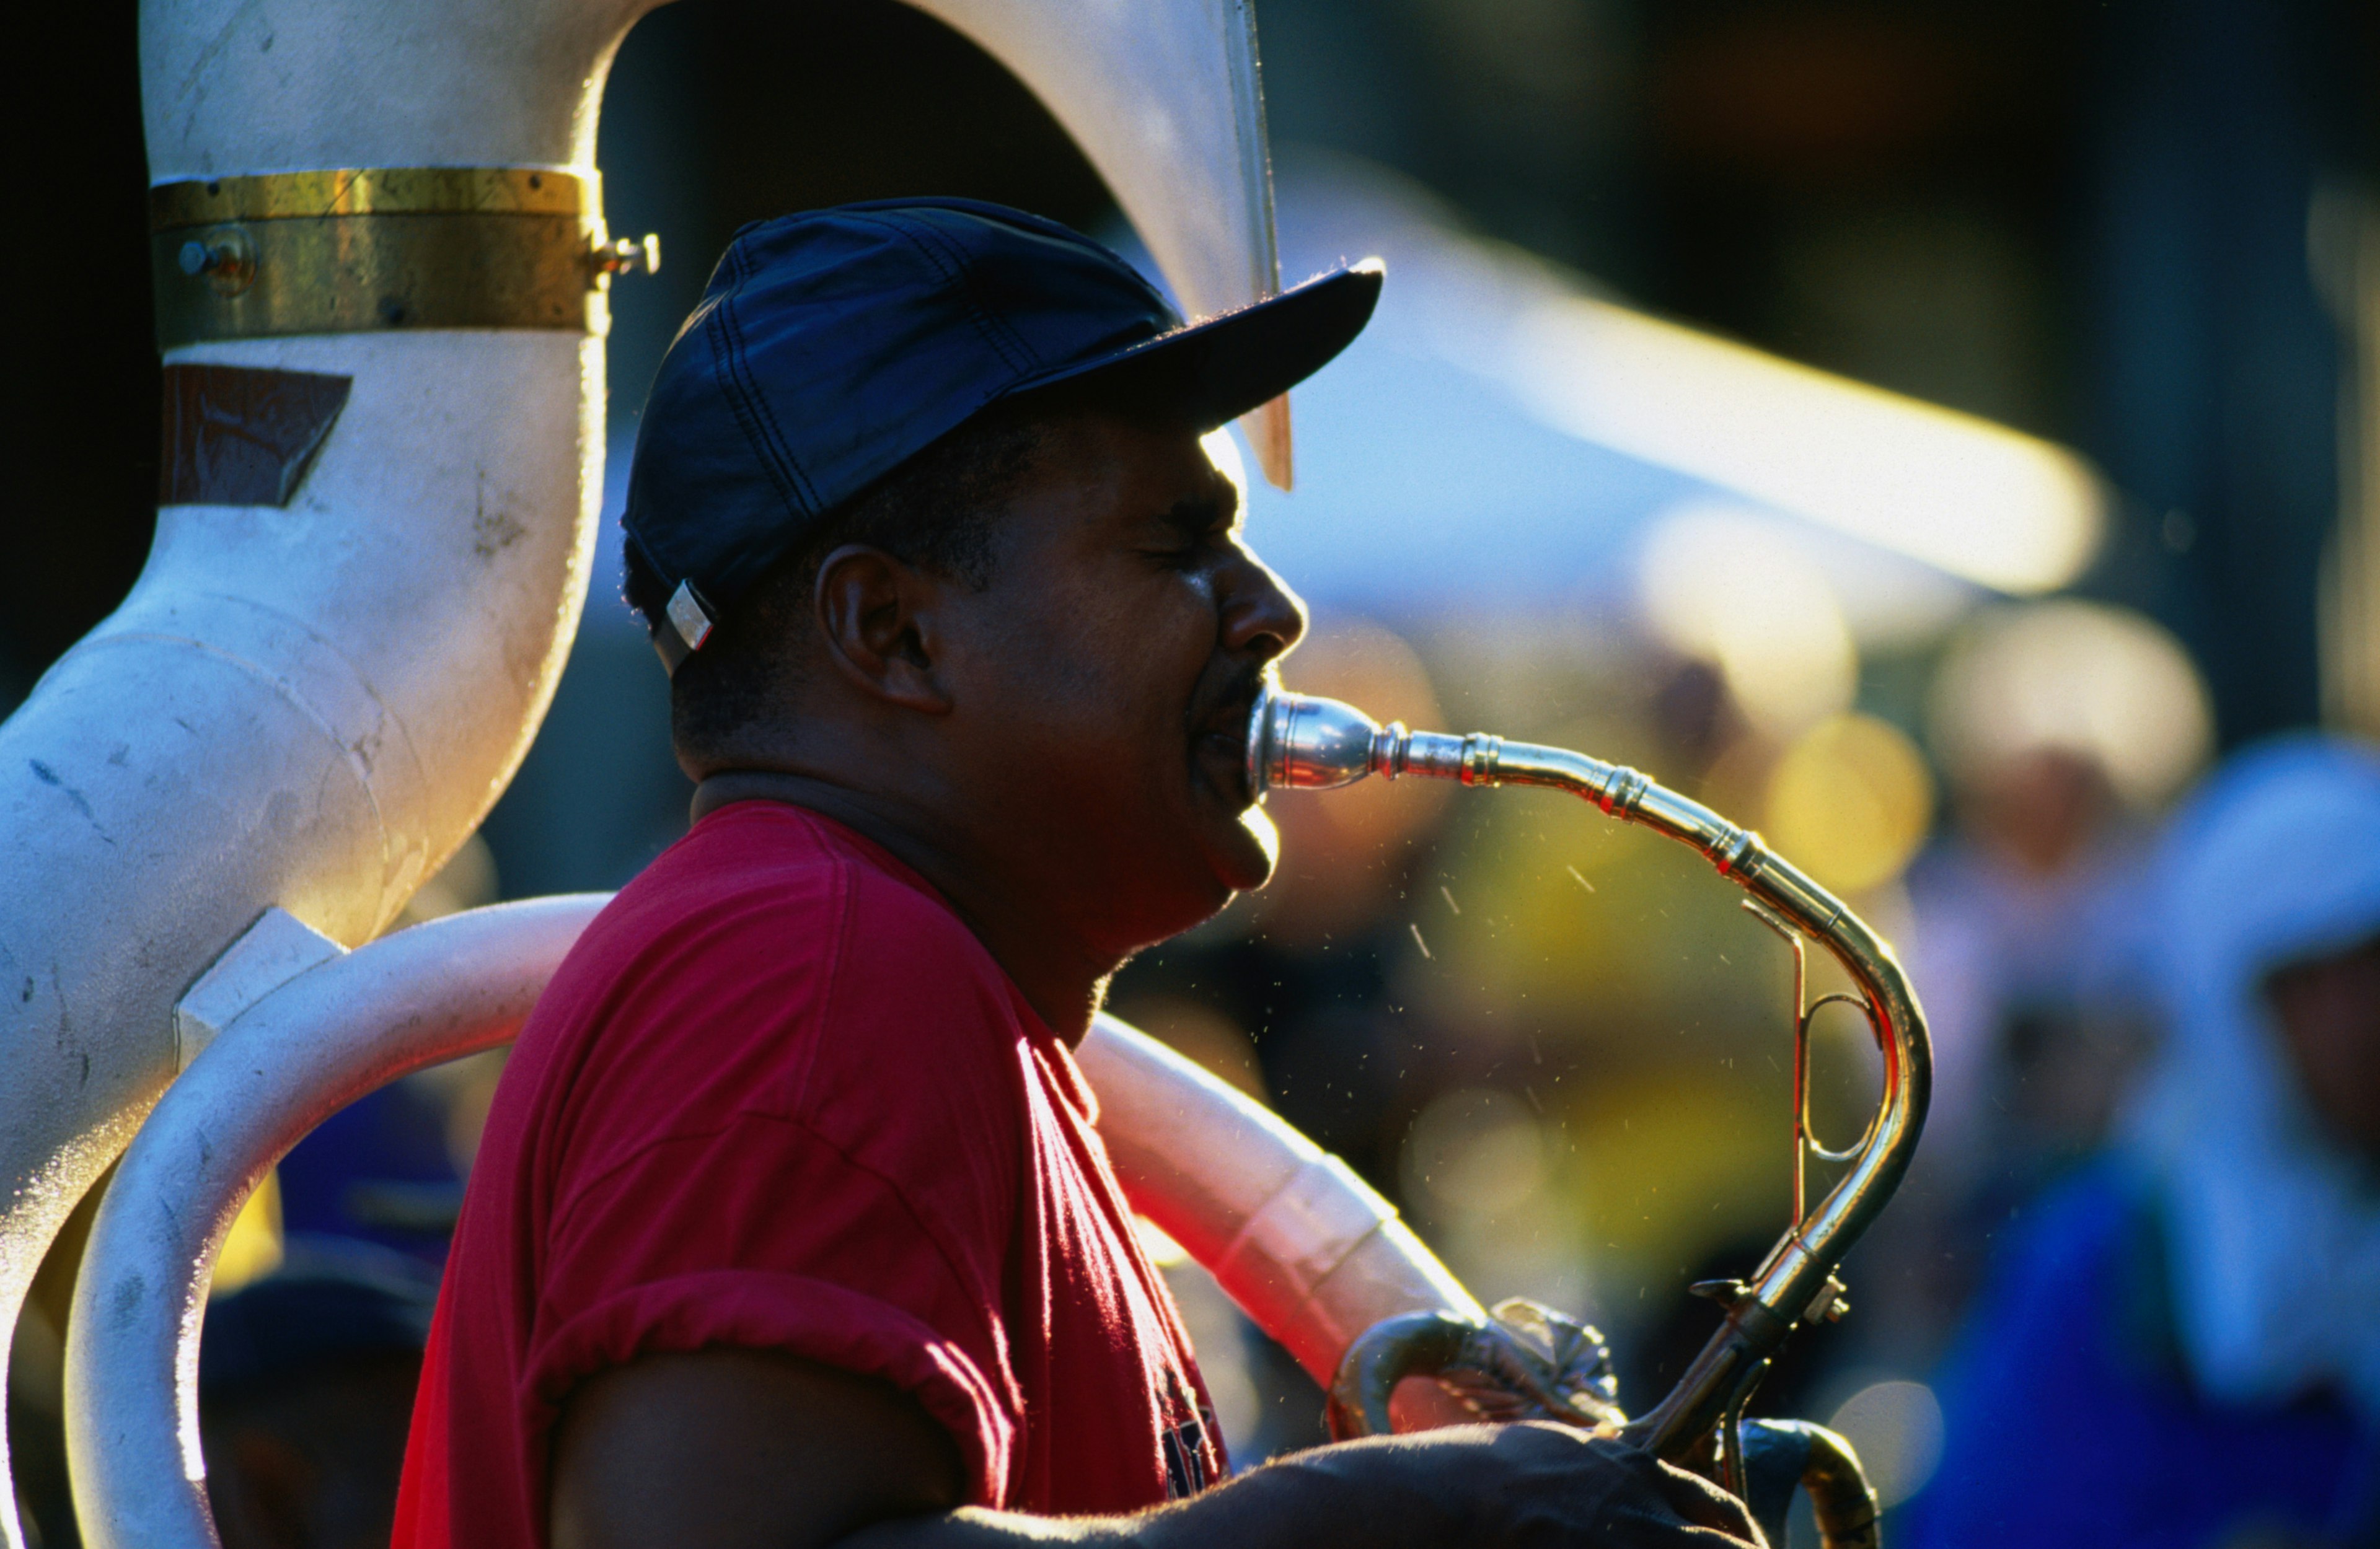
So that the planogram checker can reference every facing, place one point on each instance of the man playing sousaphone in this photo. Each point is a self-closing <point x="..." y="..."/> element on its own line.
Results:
<point x="791" y="1226"/>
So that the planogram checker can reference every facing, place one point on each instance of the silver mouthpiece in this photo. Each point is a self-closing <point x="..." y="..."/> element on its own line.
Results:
<point x="1298" y="742"/>
<point x="1301" y="742"/>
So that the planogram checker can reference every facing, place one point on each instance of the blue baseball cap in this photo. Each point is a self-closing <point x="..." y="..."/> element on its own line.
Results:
<point x="833" y="346"/>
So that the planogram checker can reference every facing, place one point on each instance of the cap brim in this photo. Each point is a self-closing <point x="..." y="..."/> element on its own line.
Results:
<point x="1212" y="372"/>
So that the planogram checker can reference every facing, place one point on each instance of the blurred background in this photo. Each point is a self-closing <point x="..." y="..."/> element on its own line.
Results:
<point x="1932" y="432"/>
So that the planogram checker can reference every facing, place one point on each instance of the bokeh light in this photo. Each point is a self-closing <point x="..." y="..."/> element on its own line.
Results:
<point x="1850" y="802"/>
<point x="1896" y="1428"/>
<point x="1476" y="1149"/>
<point x="1978" y="499"/>
<point x="1732" y="588"/>
<point x="2074" y="677"/>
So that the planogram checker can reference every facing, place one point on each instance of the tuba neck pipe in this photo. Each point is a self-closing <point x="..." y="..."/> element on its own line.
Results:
<point x="1300" y="741"/>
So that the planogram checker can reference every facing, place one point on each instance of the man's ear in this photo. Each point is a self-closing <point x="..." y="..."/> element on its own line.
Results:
<point x="879" y="615"/>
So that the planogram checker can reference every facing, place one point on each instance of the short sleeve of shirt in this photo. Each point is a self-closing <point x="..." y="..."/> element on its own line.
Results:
<point x="754" y="1236"/>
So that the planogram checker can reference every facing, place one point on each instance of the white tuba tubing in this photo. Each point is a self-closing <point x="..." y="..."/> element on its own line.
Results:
<point x="1311" y="1253"/>
<point x="310" y="705"/>
<point x="330" y="1035"/>
<point x="1304" y="1247"/>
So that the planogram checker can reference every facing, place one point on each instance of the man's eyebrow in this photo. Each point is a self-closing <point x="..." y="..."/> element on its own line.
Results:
<point x="1193" y="515"/>
<point x="1197" y="515"/>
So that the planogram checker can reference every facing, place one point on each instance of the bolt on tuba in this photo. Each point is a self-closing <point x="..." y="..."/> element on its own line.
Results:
<point x="1298" y="742"/>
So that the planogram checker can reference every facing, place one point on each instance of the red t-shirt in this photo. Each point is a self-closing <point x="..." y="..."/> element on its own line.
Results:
<point x="778" y="1096"/>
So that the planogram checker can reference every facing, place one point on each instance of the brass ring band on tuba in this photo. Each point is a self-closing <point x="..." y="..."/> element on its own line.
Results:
<point x="359" y="250"/>
<point x="1298" y="742"/>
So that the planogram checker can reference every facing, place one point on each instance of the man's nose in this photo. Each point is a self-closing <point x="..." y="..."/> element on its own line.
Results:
<point x="1261" y="616"/>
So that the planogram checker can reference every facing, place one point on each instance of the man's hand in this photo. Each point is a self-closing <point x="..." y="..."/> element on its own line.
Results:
<point x="726" y="1449"/>
<point x="1528" y="1483"/>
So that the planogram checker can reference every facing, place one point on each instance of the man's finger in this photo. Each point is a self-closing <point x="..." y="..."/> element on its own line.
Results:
<point x="1706" y="1505"/>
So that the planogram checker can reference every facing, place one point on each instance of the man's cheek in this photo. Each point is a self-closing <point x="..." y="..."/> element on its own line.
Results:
<point x="1107" y="677"/>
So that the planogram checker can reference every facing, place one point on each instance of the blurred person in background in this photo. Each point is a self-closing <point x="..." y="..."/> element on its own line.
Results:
<point x="306" y="1382"/>
<point x="2181" y="1346"/>
<point x="2062" y="727"/>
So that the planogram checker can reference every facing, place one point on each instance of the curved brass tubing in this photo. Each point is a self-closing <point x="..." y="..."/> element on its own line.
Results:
<point x="1300" y="741"/>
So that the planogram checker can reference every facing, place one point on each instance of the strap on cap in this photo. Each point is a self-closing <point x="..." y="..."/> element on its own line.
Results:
<point x="686" y="624"/>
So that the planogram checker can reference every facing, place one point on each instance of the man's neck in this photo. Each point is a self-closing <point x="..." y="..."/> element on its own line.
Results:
<point x="1061" y="981"/>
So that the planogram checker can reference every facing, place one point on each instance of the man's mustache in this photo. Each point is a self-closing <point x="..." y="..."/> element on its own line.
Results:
<point x="1234" y="694"/>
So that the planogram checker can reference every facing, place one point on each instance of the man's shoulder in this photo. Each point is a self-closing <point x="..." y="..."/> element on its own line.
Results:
<point x="785" y="885"/>
<point x="775" y="940"/>
<point x="775" y="970"/>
